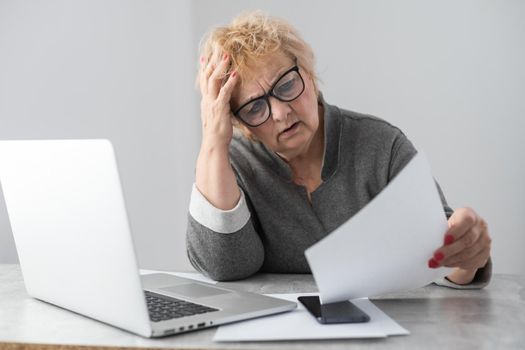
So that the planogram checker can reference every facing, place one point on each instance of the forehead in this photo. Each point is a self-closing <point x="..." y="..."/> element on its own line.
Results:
<point x="260" y="79"/>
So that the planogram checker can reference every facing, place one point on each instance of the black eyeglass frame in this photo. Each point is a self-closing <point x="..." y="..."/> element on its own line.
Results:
<point x="266" y="97"/>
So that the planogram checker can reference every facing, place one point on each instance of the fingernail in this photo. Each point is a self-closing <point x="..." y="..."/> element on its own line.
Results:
<point x="449" y="239"/>
<point x="234" y="74"/>
<point x="432" y="264"/>
<point x="202" y="59"/>
<point x="438" y="256"/>
<point x="225" y="56"/>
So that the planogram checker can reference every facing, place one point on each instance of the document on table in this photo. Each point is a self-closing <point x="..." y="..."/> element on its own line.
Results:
<point x="299" y="324"/>
<point x="385" y="247"/>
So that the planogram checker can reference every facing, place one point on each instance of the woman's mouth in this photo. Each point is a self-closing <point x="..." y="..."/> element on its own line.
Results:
<point x="290" y="130"/>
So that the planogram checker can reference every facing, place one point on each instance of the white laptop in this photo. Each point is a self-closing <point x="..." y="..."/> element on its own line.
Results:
<point x="67" y="212"/>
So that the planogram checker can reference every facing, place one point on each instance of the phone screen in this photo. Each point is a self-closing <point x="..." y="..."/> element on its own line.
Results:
<point x="340" y="312"/>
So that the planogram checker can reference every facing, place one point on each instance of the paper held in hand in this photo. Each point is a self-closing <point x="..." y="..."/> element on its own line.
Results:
<point x="385" y="247"/>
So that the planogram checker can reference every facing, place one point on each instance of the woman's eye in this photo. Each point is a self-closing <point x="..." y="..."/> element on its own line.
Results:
<point x="256" y="107"/>
<point x="285" y="87"/>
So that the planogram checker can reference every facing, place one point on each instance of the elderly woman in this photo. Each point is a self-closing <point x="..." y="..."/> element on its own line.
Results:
<point x="279" y="168"/>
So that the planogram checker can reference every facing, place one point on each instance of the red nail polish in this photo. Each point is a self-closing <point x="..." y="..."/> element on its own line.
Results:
<point x="432" y="264"/>
<point x="449" y="239"/>
<point x="438" y="256"/>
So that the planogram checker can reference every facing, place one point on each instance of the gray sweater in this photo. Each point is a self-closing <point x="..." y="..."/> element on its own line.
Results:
<point x="274" y="222"/>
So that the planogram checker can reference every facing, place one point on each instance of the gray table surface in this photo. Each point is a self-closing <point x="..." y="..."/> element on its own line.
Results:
<point x="437" y="317"/>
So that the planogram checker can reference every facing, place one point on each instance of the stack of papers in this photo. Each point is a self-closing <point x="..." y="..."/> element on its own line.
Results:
<point x="299" y="324"/>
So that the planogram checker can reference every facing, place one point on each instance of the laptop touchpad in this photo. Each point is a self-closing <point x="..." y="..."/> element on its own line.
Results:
<point x="194" y="290"/>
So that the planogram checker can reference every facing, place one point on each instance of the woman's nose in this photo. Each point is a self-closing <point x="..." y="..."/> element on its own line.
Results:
<point x="280" y="110"/>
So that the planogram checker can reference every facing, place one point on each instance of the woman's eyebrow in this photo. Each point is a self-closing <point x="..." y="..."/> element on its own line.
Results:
<point x="249" y="99"/>
<point x="252" y="97"/>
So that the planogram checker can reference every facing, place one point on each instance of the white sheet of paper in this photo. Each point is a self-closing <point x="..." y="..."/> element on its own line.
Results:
<point x="190" y="275"/>
<point x="386" y="246"/>
<point x="299" y="324"/>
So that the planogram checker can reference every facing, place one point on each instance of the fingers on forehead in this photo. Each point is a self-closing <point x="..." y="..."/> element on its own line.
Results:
<point x="227" y="89"/>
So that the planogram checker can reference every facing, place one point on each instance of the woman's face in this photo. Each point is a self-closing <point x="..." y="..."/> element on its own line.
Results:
<point x="292" y="125"/>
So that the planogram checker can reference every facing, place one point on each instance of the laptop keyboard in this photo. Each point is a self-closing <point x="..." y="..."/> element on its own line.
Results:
<point x="162" y="308"/>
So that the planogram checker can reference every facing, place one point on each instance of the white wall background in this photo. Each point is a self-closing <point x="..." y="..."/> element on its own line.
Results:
<point x="449" y="73"/>
<point x="122" y="70"/>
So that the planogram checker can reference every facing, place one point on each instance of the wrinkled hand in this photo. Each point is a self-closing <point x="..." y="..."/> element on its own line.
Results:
<point x="216" y="90"/>
<point x="466" y="246"/>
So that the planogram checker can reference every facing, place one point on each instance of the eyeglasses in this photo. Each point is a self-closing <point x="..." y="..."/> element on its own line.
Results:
<point x="286" y="89"/>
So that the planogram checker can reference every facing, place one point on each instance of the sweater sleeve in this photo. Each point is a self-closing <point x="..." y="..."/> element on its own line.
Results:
<point x="481" y="279"/>
<point x="222" y="244"/>
<point x="402" y="153"/>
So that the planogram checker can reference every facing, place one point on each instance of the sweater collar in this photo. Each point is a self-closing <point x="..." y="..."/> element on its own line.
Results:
<point x="332" y="137"/>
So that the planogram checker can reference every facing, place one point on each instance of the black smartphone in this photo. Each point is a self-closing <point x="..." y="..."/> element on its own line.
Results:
<point x="340" y="312"/>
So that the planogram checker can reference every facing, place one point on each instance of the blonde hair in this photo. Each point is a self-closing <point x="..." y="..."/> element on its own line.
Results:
<point x="250" y="40"/>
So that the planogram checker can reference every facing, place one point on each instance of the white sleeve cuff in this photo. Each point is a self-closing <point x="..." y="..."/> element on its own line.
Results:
<point x="445" y="282"/>
<point x="222" y="221"/>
